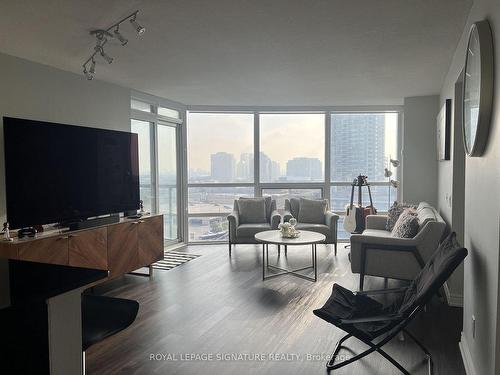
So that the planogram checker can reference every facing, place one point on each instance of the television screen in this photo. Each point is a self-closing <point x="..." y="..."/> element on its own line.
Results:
<point x="62" y="173"/>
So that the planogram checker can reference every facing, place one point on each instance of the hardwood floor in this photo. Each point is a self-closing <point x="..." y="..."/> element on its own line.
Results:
<point x="219" y="306"/>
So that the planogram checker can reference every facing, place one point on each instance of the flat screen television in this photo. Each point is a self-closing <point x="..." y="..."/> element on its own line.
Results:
<point x="58" y="173"/>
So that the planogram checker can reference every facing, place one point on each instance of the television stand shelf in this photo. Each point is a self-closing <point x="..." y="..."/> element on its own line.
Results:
<point x="119" y="248"/>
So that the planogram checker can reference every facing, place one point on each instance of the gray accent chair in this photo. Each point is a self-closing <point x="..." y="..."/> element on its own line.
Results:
<point x="320" y="222"/>
<point x="245" y="223"/>
<point x="376" y="253"/>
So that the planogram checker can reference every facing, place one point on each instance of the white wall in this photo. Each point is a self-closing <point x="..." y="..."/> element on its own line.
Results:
<point x="34" y="91"/>
<point x="482" y="207"/>
<point x="419" y="149"/>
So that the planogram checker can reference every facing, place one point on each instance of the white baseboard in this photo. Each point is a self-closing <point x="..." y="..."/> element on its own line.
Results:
<point x="453" y="299"/>
<point x="466" y="356"/>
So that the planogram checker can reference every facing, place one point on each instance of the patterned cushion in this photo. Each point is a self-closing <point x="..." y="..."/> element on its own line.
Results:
<point x="394" y="212"/>
<point x="407" y="224"/>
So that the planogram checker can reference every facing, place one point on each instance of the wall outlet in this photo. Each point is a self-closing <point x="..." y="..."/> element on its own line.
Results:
<point x="473" y="327"/>
<point x="447" y="198"/>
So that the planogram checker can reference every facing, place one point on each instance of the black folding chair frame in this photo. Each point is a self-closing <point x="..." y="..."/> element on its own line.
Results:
<point x="377" y="347"/>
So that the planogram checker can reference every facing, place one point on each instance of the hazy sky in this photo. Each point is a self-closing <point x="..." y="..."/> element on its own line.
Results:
<point x="283" y="137"/>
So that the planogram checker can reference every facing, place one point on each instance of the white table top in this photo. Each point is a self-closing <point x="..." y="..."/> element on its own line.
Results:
<point x="305" y="238"/>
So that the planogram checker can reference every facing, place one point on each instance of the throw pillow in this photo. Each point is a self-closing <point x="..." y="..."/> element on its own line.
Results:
<point x="268" y="202"/>
<point x="252" y="211"/>
<point x="394" y="212"/>
<point x="312" y="211"/>
<point x="407" y="224"/>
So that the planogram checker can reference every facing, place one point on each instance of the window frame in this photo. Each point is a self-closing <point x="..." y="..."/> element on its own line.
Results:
<point x="156" y="120"/>
<point x="259" y="186"/>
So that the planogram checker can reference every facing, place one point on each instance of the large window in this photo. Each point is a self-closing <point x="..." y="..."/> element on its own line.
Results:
<point x="362" y="144"/>
<point x="283" y="155"/>
<point x="220" y="170"/>
<point x="220" y="147"/>
<point x="292" y="147"/>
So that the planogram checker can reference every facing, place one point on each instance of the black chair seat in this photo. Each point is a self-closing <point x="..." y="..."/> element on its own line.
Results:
<point x="344" y="305"/>
<point x="105" y="316"/>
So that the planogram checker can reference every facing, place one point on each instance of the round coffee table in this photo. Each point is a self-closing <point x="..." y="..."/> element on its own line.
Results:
<point x="274" y="237"/>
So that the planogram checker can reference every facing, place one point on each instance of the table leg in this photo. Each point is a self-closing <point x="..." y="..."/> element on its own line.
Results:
<point x="267" y="254"/>
<point x="315" y="264"/>
<point x="263" y="262"/>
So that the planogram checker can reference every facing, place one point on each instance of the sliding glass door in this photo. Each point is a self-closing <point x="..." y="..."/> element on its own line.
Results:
<point x="158" y="128"/>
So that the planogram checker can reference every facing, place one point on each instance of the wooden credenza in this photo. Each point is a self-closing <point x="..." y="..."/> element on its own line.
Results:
<point x="119" y="248"/>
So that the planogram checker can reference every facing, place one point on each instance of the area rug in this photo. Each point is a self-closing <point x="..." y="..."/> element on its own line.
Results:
<point x="173" y="259"/>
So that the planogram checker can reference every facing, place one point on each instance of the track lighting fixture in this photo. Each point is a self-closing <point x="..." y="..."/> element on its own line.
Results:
<point x="103" y="36"/>
<point x="92" y="67"/>
<point x="120" y="37"/>
<point x="140" y="30"/>
<point x="104" y="55"/>
<point x="88" y="75"/>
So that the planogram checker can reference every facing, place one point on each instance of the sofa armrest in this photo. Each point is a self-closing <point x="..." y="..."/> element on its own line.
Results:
<point x="275" y="219"/>
<point x="376" y="221"/>
<point x="376" y="240"/>
<point x="287" y="216"/>
<point x="234" y="220"/>
<point x="331" y="218"/>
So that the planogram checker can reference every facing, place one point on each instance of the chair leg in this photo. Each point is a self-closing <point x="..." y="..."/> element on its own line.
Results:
<point x="430" y="364"/>
<point x="279" y="250"/>
<point x="331" y="365"/>
<point x="361" y="281"/>
<point x="229" y="248"/>
<point x="393" y="361"/>
<point x="335" y="246"/>
<point x="286" y="250"/>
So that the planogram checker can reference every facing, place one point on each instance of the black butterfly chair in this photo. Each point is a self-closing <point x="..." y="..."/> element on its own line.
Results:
<point x="375" y="323"/>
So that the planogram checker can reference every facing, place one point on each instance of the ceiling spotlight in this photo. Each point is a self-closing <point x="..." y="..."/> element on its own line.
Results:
<point x="104" y="55"/>
<point x="140" y="30"/>
<point x="92" y="67"/>
<point x="88" y="75"/>
<point x="120" y="37"/>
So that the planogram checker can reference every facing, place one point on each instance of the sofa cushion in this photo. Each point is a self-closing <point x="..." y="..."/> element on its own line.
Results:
<point x="319" y="228"/>
<point x="394" y="212"/>
<point x="252" y="211"/>
<point x="268" y="203"/>
<point x="250" y="230"/>
<point x="407" y="225"/>
<point x="295" y="207"/>
<point x="312" y="211"/>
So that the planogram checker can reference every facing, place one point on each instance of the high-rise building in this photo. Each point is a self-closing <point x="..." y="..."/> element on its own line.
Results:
<point x="269" y="169"/>
<point x="222" y="167"/>
<point x="244" y="168"/>
<point x="358" y="146"/>
<point x="304" y="169"/>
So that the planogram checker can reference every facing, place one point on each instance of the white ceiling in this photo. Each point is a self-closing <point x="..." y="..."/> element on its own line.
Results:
<point x="250" y="52"/>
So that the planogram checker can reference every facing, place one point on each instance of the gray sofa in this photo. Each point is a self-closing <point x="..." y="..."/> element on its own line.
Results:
<point x="321" y="221"/>
<point x="247" y="219"/>
<point x="375" y="252"/>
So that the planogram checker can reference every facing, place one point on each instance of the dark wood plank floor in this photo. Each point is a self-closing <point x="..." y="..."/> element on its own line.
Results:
<point x="219" y="306"/>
